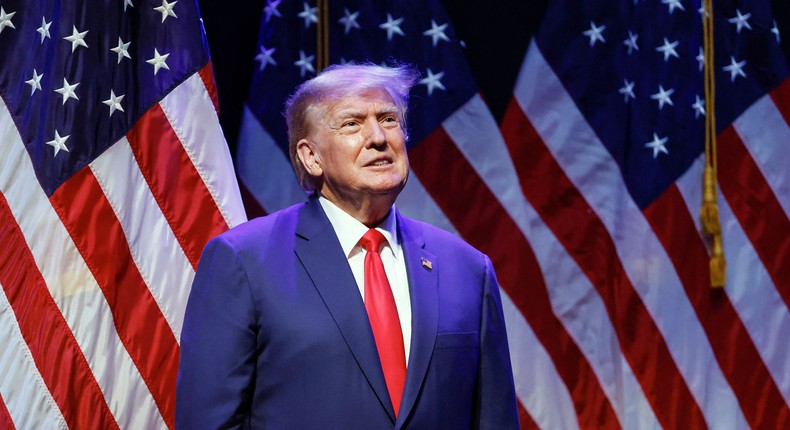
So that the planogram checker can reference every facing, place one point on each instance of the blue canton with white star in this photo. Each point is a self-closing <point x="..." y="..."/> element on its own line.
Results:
<point x="418" y="33"/>
<point x="636" y="75"/>
<point x="77" y="75"/>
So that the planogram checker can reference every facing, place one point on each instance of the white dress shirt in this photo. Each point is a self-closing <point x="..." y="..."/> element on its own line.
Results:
<point x="349" y="231"/>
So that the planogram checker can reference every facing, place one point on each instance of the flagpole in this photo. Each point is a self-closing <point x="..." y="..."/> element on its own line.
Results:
<point x="322" y="34"/>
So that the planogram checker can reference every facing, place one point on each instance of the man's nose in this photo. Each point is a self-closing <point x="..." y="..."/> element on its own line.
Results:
<point x="375" y="133"/>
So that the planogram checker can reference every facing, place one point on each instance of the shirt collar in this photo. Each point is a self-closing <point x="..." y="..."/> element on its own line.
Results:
<point x="349" y="230"/>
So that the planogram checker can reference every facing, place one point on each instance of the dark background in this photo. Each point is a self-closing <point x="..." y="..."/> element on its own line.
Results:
<point x="496" y="34"/>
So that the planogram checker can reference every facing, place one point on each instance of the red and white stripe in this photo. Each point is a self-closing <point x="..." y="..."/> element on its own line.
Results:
<point x="20" y="381"/>
<point x="571" y="295"/>
<point x="95" y="278"/>
<point x="751" y="292"/>
<point x="765" y="140"/>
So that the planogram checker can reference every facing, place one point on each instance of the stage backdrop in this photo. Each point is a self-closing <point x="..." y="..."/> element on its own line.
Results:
<point x="566" y="139"/>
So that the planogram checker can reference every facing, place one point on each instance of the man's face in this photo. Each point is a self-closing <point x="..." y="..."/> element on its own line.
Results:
<point x="361" y="148"/>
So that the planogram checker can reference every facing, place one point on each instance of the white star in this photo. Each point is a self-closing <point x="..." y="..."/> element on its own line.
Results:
<point x="271" y="9"/>
<point x="699" y="107"/>
<point x="658" y="145"/>
<point x="166" y="9"/>
<point x="740" y="20"/>
<point x="663" y="97"/>
<point x="735" y="68"/>
<point x="5" y="19"/>
<point x="159" y="61"/>
<point x="673" y="4"/>
<point x="44" y="29"/>
<point x="34" y="82"/>
<point x="627" y="91"/>
<point x="122" y="49"/>
<point x="59" y="142"/>
<point x="349" y="20"/>
<point x="775" y="31"/>
<point x="114" y="102"/>
<point x="701" y="59"/>
<point x="703" y="13"/>
<point x="67" y="91"/>
<point x="433" y="81"/>
<point x="305" y="63"/>
<point x="392" y="26"/>
<point x="631" y="42"/>
<point x="265" y="57"/>
<point x="77" y="38"/>
<point x="668" y="49"/>
<point x="309" y="15"/>
<point x="595" y="33"/>
<point x="127" y="3"/>
<point x="437" y="32"/>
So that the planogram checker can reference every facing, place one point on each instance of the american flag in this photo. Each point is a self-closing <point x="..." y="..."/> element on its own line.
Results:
<point x="586" y="196"/>
<point x="606" y="134"/>
<point x="114" y="173"/>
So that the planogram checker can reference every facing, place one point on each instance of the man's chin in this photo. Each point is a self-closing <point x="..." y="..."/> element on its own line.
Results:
<point x="389" y="188"/>
<point x="384" y="184"/>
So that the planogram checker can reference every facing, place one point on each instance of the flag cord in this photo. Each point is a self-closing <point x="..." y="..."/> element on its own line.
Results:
<point x="709" y="214"/>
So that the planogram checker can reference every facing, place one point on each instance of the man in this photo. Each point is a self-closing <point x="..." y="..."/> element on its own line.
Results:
<point x="340" y="313"/>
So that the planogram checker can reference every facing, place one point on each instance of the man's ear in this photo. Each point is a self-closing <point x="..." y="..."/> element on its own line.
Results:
<point x="306" y="151"/>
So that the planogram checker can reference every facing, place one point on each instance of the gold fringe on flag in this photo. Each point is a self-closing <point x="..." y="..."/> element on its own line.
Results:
<point x="322" y="34"/>
<point x="709" y="215"/>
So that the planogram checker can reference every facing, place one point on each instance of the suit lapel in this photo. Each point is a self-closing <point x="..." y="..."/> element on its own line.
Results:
<point x="319" y="251"/>
<point x="421" y="267"/>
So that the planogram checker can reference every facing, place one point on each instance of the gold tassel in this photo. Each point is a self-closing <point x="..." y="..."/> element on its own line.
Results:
<point x="709" y="214"/>
<point x="718" y="265"/>
<point x="711" y="226"/>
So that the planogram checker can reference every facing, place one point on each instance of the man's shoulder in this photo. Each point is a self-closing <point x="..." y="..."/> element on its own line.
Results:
<point x="436" y="238"/>
<point x="265" y="228"/>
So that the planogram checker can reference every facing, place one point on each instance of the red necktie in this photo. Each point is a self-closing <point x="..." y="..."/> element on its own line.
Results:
<point x="383" y="315"/>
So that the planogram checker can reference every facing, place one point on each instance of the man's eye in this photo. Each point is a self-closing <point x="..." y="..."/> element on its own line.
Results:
<point x="350" y="124"/>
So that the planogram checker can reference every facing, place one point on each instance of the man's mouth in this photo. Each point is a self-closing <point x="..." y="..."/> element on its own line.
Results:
<point x="380" y="162"/>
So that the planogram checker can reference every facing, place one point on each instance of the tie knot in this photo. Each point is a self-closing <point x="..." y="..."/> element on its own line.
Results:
<point x="372" y="240"/>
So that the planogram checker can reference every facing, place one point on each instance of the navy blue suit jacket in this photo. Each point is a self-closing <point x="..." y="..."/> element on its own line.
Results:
<point x="276" y="334"/>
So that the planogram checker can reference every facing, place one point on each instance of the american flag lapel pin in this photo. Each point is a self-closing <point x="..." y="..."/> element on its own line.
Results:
<point x="426" y="263"/>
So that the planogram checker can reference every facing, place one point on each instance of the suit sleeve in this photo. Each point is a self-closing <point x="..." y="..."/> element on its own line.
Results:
<point x="496" y="397"/>
<point x="218" y="344"/>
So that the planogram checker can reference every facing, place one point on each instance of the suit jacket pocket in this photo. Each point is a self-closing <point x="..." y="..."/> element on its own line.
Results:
<point x="457" y="340"/>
